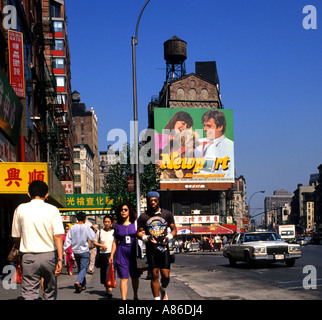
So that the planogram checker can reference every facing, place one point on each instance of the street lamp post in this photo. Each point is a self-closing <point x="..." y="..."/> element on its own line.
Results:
<point x="249" y="216"/>
<point x="135" y="112"/>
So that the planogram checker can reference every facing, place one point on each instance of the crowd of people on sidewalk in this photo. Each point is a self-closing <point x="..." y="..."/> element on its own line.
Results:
<point x="46" y="245"/>
<point x="212" y="243"/>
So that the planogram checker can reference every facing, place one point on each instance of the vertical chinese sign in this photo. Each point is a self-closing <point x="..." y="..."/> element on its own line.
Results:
<point x="16" y="62"/>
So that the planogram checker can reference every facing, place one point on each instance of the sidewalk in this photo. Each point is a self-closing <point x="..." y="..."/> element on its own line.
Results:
<point x="177" y="290"/>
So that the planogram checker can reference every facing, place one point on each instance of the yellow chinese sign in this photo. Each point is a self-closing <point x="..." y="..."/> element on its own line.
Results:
<point x="93" y="201"/>
<point x="15" y="177"/>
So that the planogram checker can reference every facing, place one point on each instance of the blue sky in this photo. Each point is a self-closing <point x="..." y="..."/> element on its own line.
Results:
<point x="270" y="71"/>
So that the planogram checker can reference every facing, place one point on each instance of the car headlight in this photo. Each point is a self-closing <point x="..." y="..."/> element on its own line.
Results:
<point x="293" y="249"/>
<point x="259" y="250"/>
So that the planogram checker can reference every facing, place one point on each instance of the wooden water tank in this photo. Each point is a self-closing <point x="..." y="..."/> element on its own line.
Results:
<point x="175" y="50"/>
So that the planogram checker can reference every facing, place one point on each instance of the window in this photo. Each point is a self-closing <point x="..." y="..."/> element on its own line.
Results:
<point x="77" y="190"/>
<point x="60" y="81"/>
<point x="61" y="99"/>
<point x="58" y="26"/>
<point x="59" y="63"/>
<point x="55" y="11"/>
<point x="77" y="178"/>
<point x="76" y="155"/>
<point x="76" y="166"/>
<point x="59" y="45"/>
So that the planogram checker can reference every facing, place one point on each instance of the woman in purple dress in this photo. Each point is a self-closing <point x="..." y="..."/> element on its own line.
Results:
<point x="124" y="249"/>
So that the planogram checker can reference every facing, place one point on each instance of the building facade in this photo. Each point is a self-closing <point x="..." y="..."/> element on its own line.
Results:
<point x="57" y="55"/>
<point x="29" y="134"/>
<point x="84" y="169"/>
<point x="273" y="206"/>
<point x="303" y="208"/>
<point x="84" y="126"/>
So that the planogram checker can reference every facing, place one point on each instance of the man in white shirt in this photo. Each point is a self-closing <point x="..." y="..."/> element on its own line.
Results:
<point x="216" y="146"/>
<point x="77" y="237"/>
<point x="37" y="230"/>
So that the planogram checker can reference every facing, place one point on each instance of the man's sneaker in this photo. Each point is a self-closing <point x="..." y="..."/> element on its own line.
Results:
<point x="164" y="295"/>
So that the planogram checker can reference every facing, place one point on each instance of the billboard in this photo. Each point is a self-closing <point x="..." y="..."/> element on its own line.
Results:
<point x="194" y="144"/>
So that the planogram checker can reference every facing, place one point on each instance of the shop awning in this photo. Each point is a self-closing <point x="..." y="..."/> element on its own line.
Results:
<point x="230" y="226"/>
<point x="208" y="230"/>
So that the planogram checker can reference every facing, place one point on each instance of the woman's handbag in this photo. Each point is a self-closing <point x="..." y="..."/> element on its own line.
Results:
<point x="110" y="280"/>
<point x="97" y="258"/>
<point x="14" y="255"/>
<point x="141" y="263"/>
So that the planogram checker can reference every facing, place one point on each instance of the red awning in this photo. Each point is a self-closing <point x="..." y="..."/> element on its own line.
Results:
<point x="207" y="229"/>
<point x="230" y="226"/>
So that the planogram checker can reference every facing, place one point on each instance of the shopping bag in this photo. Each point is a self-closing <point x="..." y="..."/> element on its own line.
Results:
<point x="14" y="255"/>
<point x="110" y="281"/>
<point x="18" y="273"/>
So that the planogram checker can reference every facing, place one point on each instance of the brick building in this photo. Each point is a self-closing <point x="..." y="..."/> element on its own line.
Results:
<point x="86" y="132"/>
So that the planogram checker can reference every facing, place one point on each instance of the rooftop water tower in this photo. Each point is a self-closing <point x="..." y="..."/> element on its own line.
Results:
<point x="175" y="54"/>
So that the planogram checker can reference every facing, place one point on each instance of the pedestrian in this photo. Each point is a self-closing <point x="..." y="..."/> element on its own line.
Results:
<point x="124" y="249"/>
<point x="224" y="240"/>
<point x="69" y="257"/>
<point x="217" y="242"/>
<point x="77" y="237"/>
<point x="37" y="231"/>
<point x="152" y="229"/>
<point x="92" y="252"/>
<point x="103" y="241"/>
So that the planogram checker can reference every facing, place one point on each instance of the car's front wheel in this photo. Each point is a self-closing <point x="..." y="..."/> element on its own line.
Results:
<point x="290" y="262"/>
<point x="250" y="262"/>
<point x="232" y="261"/>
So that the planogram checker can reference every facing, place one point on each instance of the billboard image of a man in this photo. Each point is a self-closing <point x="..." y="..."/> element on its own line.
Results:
<point x="216" y="148"/>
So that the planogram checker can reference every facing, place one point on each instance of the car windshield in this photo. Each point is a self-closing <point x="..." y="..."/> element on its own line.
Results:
<point x="252" y="237"/>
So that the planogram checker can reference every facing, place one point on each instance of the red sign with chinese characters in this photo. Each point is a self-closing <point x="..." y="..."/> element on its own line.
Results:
<point x="16" y="62"/>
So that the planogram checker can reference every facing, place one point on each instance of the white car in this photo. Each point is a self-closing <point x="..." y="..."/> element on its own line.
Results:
<point x="253" y="247"/>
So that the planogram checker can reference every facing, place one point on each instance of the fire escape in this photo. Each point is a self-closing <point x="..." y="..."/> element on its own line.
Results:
<point x="56" y="129"/>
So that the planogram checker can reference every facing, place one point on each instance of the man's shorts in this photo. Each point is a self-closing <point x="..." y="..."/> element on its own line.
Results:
<point x="158" y="259"/>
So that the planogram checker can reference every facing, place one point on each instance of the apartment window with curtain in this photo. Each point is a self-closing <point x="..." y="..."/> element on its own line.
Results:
<point x="55" y="10"/>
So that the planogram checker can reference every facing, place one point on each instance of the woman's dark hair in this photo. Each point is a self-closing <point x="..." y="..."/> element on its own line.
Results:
<point x="107" y="216"/>
<point x="180" y="116"/>
<point x="118" y="210"/>
<point x="37" y="188"/>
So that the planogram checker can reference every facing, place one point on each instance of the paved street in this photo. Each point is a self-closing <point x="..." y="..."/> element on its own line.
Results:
<point x="210" y="276"/>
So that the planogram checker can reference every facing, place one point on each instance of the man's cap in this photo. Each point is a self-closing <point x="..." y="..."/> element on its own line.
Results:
<point x="153" y="194"/>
